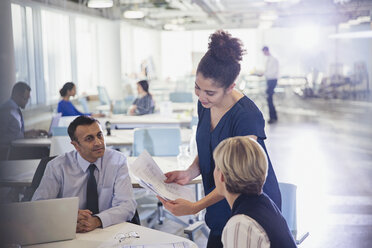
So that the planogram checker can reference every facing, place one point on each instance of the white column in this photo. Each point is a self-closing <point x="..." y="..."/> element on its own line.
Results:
<point x="7" y="60"/>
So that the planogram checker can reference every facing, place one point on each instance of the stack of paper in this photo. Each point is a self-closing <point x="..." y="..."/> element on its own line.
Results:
<point x="151" y="177"/>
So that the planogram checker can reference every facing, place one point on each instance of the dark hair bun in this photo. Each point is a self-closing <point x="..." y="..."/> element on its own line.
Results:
<point x="225" y="48"/>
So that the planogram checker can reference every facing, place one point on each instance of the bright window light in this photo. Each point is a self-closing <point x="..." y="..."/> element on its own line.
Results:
<point x="133" y="14"/>
<point x="306" y="37"/>
<point x="100" y="3"/>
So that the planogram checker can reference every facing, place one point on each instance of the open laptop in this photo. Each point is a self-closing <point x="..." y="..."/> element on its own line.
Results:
<point x="36" y="222"/>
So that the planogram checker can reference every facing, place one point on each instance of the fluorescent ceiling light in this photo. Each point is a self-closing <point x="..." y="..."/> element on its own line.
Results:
<point x="133" y="14"/>
<point x="352" y="35"/>
<point x="173" y="27"/>
<point x="100" y="3"/>
<point x="265" y="25"/>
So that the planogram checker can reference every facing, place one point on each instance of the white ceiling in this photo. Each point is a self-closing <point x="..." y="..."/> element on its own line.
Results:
<point x="213" y="14"/>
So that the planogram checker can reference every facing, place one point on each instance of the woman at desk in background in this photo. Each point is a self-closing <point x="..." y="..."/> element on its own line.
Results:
<point x="65" y="106"/>
<point x="144" y="104"/>
<point x="223" y="112"/>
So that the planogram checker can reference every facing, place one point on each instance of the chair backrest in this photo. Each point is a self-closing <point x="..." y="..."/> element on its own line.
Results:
<point x="59" y="131"/>
<point x="157" y="141"/>
<point x="37" y="178"/>
<point x="180" y="96"/>
<point x="83" y="102"/>
<point x="289" y="211"/>
<point x="103" y="95"/>
<point x="60" y="145"/>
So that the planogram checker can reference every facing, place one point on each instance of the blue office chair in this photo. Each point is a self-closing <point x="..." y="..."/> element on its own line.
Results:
<point x="157" y="141"/>
<point x="289" y="211"/>
<point x="180" y="96"/>
<point x="59" y="131"/>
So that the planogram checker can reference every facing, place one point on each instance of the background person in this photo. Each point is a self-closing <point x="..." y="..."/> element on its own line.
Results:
<point x="12" y="125"/>
<point x="65" y="106"/>
<point x="98" y="176"/>
<point x="271" y="73"/>
<point x="223" y="112"/>
<point x="240" y="173"/>
<point x="143" y="104"/>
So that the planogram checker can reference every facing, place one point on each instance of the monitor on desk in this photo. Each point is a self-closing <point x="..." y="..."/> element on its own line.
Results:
<point x="36" y="222"/>
<point x="54" y="123"/>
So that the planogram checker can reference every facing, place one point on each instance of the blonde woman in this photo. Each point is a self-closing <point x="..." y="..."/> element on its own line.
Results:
<point x="240" y="173"/>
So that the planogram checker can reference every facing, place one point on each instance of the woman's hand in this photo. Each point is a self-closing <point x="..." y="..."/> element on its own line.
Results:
<point x="180" y="177"/>
<point x="179" y="206"/>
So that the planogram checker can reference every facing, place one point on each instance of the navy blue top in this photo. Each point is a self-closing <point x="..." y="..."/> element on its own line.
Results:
<point x="244" y="118"/>
<point x="68" y="109"/>
<point x="266" y="213"/>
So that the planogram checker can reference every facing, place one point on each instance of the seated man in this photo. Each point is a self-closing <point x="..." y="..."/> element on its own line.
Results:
<point x="11" y="118"/>
<point x="98" y="176"/>
<point x="240" y="173"/>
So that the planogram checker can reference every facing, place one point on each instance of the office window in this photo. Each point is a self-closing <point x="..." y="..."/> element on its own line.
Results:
<point x="23" y="47"/>
<point x="86" y="55"/>
<point x="55" y="31"/>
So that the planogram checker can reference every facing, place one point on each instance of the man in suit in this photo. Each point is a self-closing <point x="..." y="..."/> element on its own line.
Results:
<point x="11" y="118"/>
<point x="97" y="175"/>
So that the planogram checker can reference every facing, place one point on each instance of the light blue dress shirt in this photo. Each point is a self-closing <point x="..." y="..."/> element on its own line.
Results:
<point x="67" y="176"/>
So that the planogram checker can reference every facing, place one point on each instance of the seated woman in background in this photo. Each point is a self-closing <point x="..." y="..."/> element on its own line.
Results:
<point x="144" y="104"/>
<point x="65" y="106"/>
<point x="240" y="173"/>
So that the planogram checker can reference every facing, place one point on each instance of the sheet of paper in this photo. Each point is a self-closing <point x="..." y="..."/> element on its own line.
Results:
<point x="151" y="177"/>
<point x="168" y="245"/>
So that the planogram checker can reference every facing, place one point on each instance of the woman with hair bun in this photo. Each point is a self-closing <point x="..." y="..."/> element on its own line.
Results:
<point x="65" y="106"/>
<point x="223" y="112"/>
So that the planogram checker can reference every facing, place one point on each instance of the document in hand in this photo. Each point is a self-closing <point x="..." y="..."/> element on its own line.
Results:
<point x="151" y="177"/>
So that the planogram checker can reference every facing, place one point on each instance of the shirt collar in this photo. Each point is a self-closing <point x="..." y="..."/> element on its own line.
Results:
<point x="14" y="104"/>
<point x="85" y="164"/>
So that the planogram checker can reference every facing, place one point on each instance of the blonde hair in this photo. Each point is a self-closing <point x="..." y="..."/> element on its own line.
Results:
<point x="243" y="163"/>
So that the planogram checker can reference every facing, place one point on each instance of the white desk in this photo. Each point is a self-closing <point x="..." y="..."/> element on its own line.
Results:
<point x="152" y="120"/>
<point x="105" y="238"/>
<point x="118" y="138"/>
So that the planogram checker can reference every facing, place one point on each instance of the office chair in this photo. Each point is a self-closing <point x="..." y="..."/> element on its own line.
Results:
<point x="180" y="96"/>
<point x="158" y="142"/>
<point x="289" y="211"/>
<point x="39" y="173"/>
<point x="37" y="178"/>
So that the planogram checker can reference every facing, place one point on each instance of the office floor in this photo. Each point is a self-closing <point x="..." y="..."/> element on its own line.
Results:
<point x="325" y="148"/>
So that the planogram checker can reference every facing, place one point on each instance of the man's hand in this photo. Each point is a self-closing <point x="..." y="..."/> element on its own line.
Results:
<point x="86" y="222"/>
<point x="35" y="133"/>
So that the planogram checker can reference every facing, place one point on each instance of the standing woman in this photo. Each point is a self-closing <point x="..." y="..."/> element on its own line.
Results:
<point x="223" y="112"/>
<point x="144" y="104"/>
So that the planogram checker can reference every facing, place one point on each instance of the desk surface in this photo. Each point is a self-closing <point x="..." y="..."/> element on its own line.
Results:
<point x="152" y="120"/>
<point x="19" y="173"/>
<point x="105" y="238"/>
<point x="117" y="138"/>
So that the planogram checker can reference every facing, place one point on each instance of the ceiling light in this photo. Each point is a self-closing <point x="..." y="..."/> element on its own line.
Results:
<point x="133" y="14"/>
<point x="100" y="3"/>
<point x="265" y="25"/>
<point x="173" y="27"/>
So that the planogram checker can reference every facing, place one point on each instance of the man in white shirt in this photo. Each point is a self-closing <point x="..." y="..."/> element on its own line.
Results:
<point x="240" y="173"/>
<point x="98" y="176"/>
<point x="271" y="73"/>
